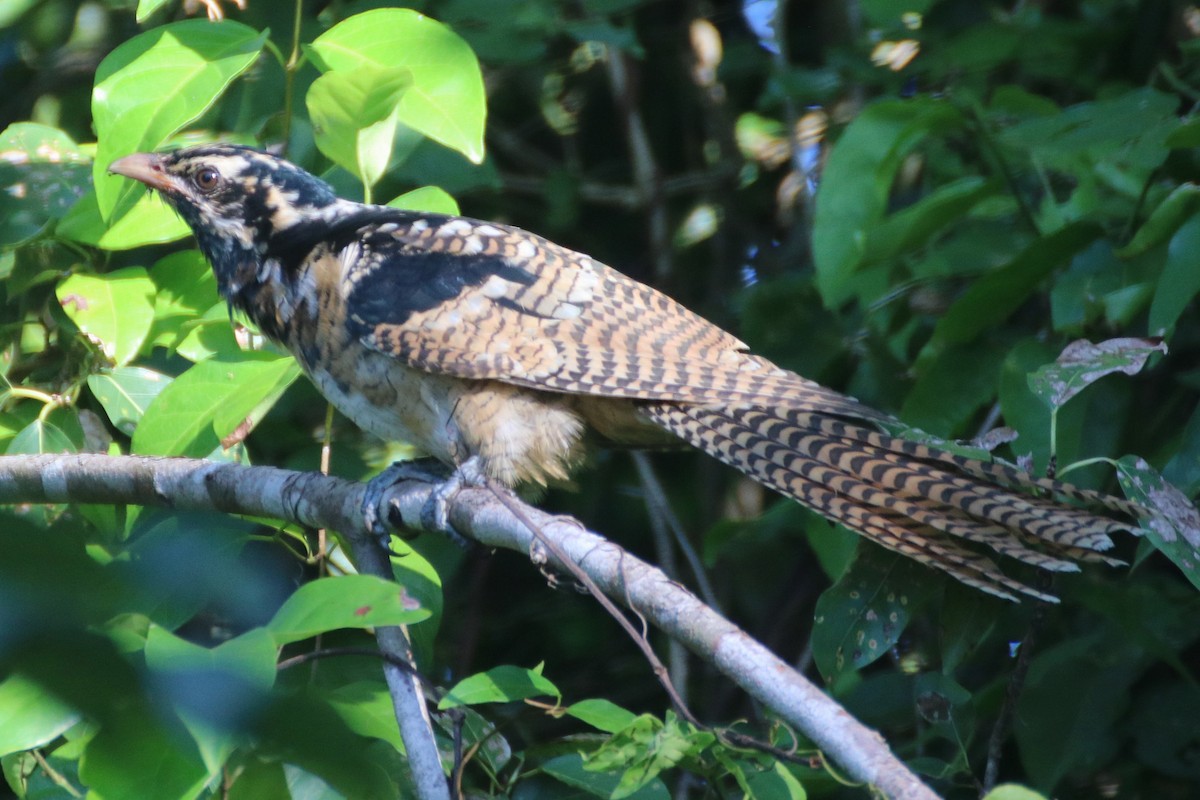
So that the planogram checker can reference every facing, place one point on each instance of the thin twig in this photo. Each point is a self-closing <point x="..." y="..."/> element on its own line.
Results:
<point x="1016" y="682"/>
<point x="504" y="495"/>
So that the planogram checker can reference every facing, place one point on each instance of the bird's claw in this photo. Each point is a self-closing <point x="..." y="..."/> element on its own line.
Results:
<point x="435" y="514"/>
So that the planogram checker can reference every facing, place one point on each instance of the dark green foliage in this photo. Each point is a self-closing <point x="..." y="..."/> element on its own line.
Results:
<point x="1028" y="179"/>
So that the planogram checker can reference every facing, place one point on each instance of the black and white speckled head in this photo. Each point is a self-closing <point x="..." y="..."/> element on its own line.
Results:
<point x="235" y="199"/>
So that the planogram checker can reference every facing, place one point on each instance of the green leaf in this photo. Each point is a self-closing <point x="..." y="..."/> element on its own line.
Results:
<point x="147" y="221"/>
<point x="857" y="182"/>
<point x="1073" y="696"/>
<point x="571" y="770"/>
<point x="354" y="117"/>
<point x="350" y="601"/>
<point x="446" y="101"/>
<point x="1174" y="524"/>
<point x="503" y="684"/>
<point x="212" y="689"/>
<point x="1011" y="791"/>
<point x="30" y="716"/>
<point x="775" y="782"/>
<point x="601" y="714"/>
<point x="432" y="199"/>
<point x="366" y="707"/>
<point x="42" y="174"/>
<point x="190" y="317"/>
<point x="209" y="401"/>
<point x="132" y="759"/>
<point x="860" y="617"/>
<point x="147" y="7"/>
<point x="646" y="748"/>
<point x="912" y="227"/>
<point x="1180" y="280"/>
<point x="41" y="436"/>
<point x="115" y="310"/>
<point x="125" y="393"/>
<point x="156" y="83"/>
<point x="995" y="296"/>
<point x="1082" y="363"/>
<point x="1180" y="206"/>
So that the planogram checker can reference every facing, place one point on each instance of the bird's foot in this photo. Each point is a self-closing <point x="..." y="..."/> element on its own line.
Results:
<point x="379" y="515"/>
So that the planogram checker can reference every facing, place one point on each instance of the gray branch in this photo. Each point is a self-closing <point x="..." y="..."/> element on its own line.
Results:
<point x="319" y="501"/>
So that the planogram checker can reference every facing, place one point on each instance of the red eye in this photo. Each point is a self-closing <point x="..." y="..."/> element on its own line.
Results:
<point x="207" y="179"/>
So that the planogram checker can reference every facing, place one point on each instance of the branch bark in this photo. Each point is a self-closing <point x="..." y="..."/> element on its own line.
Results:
<point x="319" y="501"/>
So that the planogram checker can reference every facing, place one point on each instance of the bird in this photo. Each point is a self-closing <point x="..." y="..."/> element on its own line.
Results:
<point x="493" y="349"/>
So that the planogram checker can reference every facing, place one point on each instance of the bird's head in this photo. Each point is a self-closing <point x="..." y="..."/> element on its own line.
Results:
<point x="237" y="200"/>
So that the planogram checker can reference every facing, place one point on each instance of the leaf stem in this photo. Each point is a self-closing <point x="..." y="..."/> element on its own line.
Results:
<point x="289" y="70"/>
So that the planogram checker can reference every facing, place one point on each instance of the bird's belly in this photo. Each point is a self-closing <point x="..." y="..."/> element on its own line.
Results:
<point x="522" y="435"/>
<point x="392" y="401"/>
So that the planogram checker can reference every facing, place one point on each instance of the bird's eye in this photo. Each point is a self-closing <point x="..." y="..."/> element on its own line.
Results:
<point x="207" y="179"/>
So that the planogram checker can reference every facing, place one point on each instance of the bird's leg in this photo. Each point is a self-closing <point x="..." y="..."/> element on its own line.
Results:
<point x="376" y="515"/>
<point x="435" y="515"/>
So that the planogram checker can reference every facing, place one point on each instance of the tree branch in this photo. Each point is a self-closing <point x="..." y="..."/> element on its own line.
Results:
<point x="319" y="501"/>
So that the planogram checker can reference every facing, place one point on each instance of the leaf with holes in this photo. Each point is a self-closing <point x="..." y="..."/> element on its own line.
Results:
<point x="1082" y="363"/>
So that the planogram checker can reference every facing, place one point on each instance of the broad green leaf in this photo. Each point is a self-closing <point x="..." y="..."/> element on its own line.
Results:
<point x="41" y="436"/>
<point x="186" y="290"/>
<point x="209" y="401"/>
<point x="995" y="296"/>
<point x="775" y="782"/>
<point x="207" y="336"/>
<point x="115" y="310"/>
<point x="570" y="770"/>
<point x="214" y="689"/>
<point x="1179" y="283"/>
<point x="446" y="100"/>
<point x="857" y="182"/>
<point x="148" y="221"/>
<point x="157" y="82"/>
<point x="1130" y="128"/>
<point x="126" y="393"/>
<point x="1165" y="729"/>
<point x="147" y="7"/>
<point x="503" y="684"/>
<point x="1011" y="791"/>
<point x="351" y="601"/>
<point x="132" y="759"/>
<point x="354" y="115"/>
<point x="30" y="716"/>
<point x="912" y="227"/>
<point x="422" y="584"/>
<point x="1174" y="524"/>
<point x="366" y="707"/>
<point x="427" y="198"/>
<point x="1074" y="694"/>
<point x="42" y="174"/>
<point x="1179" y="207"/>
<point x="601" y="714"/>
<point x="860" y="617"/>
<point x="1082" y="363"/>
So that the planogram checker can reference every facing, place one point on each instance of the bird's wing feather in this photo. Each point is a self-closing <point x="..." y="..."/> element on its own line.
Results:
<point x="479" y="300"/>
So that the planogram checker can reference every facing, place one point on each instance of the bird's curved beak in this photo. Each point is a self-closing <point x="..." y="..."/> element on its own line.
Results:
<point x="146" y="168"/>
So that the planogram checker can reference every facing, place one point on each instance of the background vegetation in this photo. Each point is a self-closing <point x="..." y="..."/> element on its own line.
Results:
<point x="966" y="188"/>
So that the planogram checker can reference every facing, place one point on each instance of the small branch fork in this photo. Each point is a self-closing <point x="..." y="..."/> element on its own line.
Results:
<point x="317" y="501"/>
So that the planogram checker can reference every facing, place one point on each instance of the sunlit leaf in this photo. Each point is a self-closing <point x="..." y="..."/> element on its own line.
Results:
<point x="350" y="601"/>
<point x="114" y="309"/>
<point x="446" y="99"/>
<point x="157" y="82"/>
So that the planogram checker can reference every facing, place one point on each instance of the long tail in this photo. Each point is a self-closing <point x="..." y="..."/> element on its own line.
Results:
<point x="909" y="497"/>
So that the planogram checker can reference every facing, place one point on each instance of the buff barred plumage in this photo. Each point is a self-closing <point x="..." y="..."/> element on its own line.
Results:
<point x="470" y="338"/>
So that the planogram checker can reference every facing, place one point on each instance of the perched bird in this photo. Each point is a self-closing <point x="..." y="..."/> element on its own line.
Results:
<point x="488" y="346"/>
